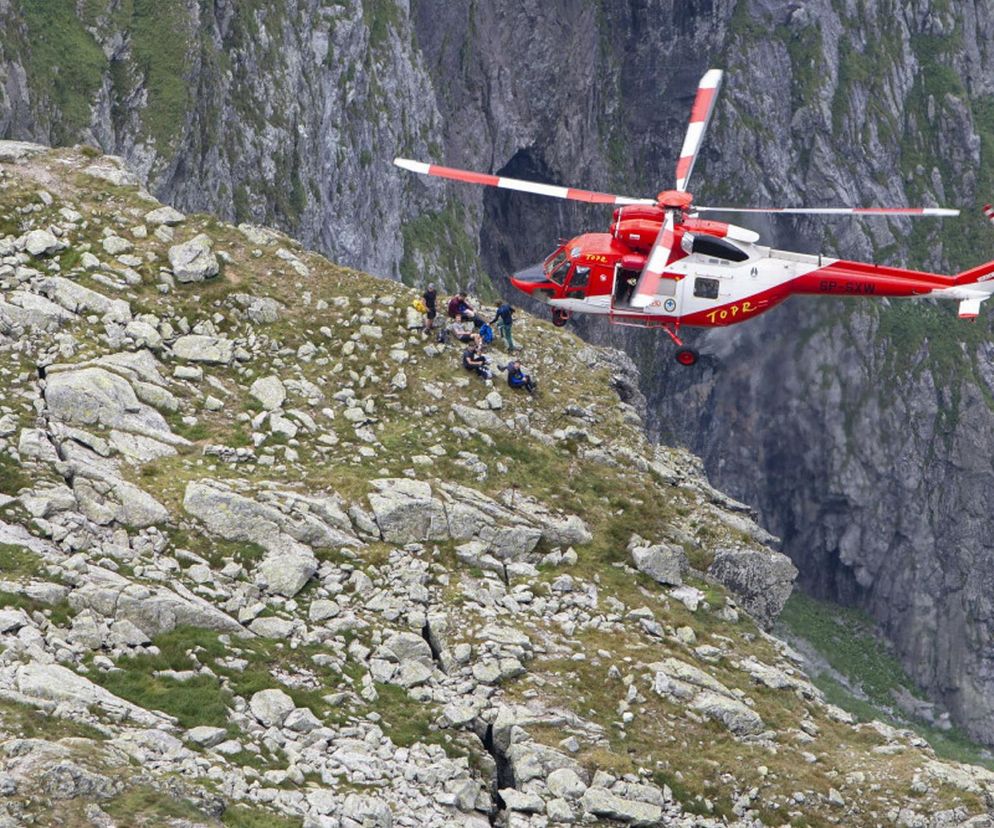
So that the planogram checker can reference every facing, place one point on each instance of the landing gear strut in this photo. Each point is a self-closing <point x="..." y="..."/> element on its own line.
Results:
<point x="560" y="317"/>
<point x="684" y="355"/>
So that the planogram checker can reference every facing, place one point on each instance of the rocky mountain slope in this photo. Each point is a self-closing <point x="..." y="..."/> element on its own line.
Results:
<point x="271" y="557"/>
<point x="290" y="111"/>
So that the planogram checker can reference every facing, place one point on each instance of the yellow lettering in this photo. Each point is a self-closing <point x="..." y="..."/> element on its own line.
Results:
<point x="711" y="316"/>
<point x="747" y="307"/>
<point x="734" y="311"/>
<point x="723" y="315"/>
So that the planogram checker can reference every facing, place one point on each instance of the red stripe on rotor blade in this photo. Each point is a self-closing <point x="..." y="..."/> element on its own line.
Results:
<point x="683" y="167"/>
<point x="463" y="175"/>
<point x="590" y="196"/>
<point x="702" y="105"/>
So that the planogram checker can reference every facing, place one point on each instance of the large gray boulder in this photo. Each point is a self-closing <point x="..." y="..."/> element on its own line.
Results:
<point x="271" y="707"/>
<point x="478" y="418"/>
<point x="762" y="580"/>
<point x="95" y="396"/>
<point x="286" y="573"/>
<point x="601" y="802"/>
<point x="663" y="564"/>
<point x="60" y="684"/>
<point x="153" y="609"/>
<point x="269" y="391"/>
<point x="42" y="243"/>
<point x="78" y="299"/>
<point x="194" y="261"/>
<point x="732" y="713"/>
<point x="406" y="512"/>
<point x="200" y="348"/>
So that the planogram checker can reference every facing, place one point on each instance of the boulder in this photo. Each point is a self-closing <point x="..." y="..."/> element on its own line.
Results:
<point x="601" y="802"/>
<point x="42" y="243"/>
<point x="206" y="736"/>
<point x="663" y="564"/>
<point x="733" y="714"/>
<point x="565" y="783"/>
<point x="79" y="299"/>
<point x="286" y="573"/>
<point x="479" y="418"/>
<point x="201" y="348"/>
<point x="269" y="391"/>
<point x="60" y="684"/>
<point x="194" y="261"/>
<point x="409" y="647"/>
<point x="406" y="512"/>
<point x="165" y="215"/>
<point x="761" y="579"/>
<point x="95" y="396"/>
<point x="271" y="707"/>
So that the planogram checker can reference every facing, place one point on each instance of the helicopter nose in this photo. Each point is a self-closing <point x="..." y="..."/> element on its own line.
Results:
<point x="528" y="279"/>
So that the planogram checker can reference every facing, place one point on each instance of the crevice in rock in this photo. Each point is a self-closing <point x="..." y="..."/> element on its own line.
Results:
<point x="503" y="776"/>
<point x="46" y="427"/>
<point x="436" y="650"/>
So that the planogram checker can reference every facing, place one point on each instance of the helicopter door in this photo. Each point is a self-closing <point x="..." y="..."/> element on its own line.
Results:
<point x="578" y="282"/>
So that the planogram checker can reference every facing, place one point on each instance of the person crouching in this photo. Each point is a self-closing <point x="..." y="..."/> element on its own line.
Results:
<point x="517" y="378"/>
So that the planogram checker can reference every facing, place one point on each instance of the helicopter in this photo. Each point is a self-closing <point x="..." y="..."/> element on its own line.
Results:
<point x="662" y="266"/>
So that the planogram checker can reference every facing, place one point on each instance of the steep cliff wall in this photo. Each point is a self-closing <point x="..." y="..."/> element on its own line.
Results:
<point x="861" y="432"/>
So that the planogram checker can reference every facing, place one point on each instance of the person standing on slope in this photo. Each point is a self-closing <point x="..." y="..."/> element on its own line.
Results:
<point x="504" y="318"/>
<point x="430" y="297"/>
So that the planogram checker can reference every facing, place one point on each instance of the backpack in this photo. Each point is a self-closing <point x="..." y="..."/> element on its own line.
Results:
<point x="486" y="333"/>
<point x="419" y="305"/>
<point x="442" y="337"/>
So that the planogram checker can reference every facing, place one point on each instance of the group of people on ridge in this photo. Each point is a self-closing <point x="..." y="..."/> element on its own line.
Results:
<point x="470" y="328"/>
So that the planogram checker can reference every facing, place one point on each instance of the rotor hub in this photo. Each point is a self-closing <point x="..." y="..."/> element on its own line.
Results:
<point x="674" y="200"/>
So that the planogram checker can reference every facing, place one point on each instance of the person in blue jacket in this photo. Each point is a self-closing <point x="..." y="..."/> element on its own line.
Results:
<point x="517" y="378"/>
<point x="504" y="318"/>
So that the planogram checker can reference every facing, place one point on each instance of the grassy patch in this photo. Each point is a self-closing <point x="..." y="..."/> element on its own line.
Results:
<point x="18" y="562"/>
<point x="59" y="614"/>
<point x="29" y="723"/>
<point x="240" y="816"/>
<point x="12" y="477"/>
<point x="135" y="805"/>
<point x="848" y="641"/>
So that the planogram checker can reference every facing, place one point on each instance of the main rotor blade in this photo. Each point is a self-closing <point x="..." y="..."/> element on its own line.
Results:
<point x="534" y="187"/>
<point x="836" y="211"/>
<point x="659" y="257"/>
<point x="700" y="116"/>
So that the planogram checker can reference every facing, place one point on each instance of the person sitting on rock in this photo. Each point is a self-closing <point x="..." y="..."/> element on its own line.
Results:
<point x="517" y="378"/>
<point x="461" y="331"/>
<point x="474" y="360"/>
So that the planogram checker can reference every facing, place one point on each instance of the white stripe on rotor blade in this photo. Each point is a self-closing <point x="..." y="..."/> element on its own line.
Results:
<point x="413" y="166"/>
<point x="711" y="79"/>
<point x="694" y="134"/>
<point x="533" y="187"/>
<point x="657" y="261"/>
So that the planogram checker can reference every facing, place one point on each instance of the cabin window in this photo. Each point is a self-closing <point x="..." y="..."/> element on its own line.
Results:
<point x="706" y="288"/>
<point x="581" y="276"/>
<point x="719" y="248"/>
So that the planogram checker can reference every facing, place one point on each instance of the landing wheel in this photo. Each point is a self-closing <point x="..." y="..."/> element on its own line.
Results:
<point x="686" y="356"/>
<point x="560" y="317"/>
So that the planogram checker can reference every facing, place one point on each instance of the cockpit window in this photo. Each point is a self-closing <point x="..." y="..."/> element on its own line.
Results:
<point x="559" y="274"/>
<point x="554" y="262"/>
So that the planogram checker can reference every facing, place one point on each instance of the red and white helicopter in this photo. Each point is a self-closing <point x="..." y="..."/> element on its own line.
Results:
<point x="661" y="266"/>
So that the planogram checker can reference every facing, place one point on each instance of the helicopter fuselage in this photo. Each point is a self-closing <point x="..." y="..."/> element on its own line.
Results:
<point x="717" y="275"/>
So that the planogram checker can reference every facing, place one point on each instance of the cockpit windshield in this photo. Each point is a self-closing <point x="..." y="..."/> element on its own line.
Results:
<point x="554" y="262"/>
<point x="559" y="274"/>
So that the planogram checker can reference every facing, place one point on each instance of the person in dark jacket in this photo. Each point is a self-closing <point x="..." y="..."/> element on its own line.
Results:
<point x="517" y="378"/>
<point x="474" y="360"/>
<point x="430" y="297"/>
<point x="504" y="318"/>
<point x="458" y="305"/>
